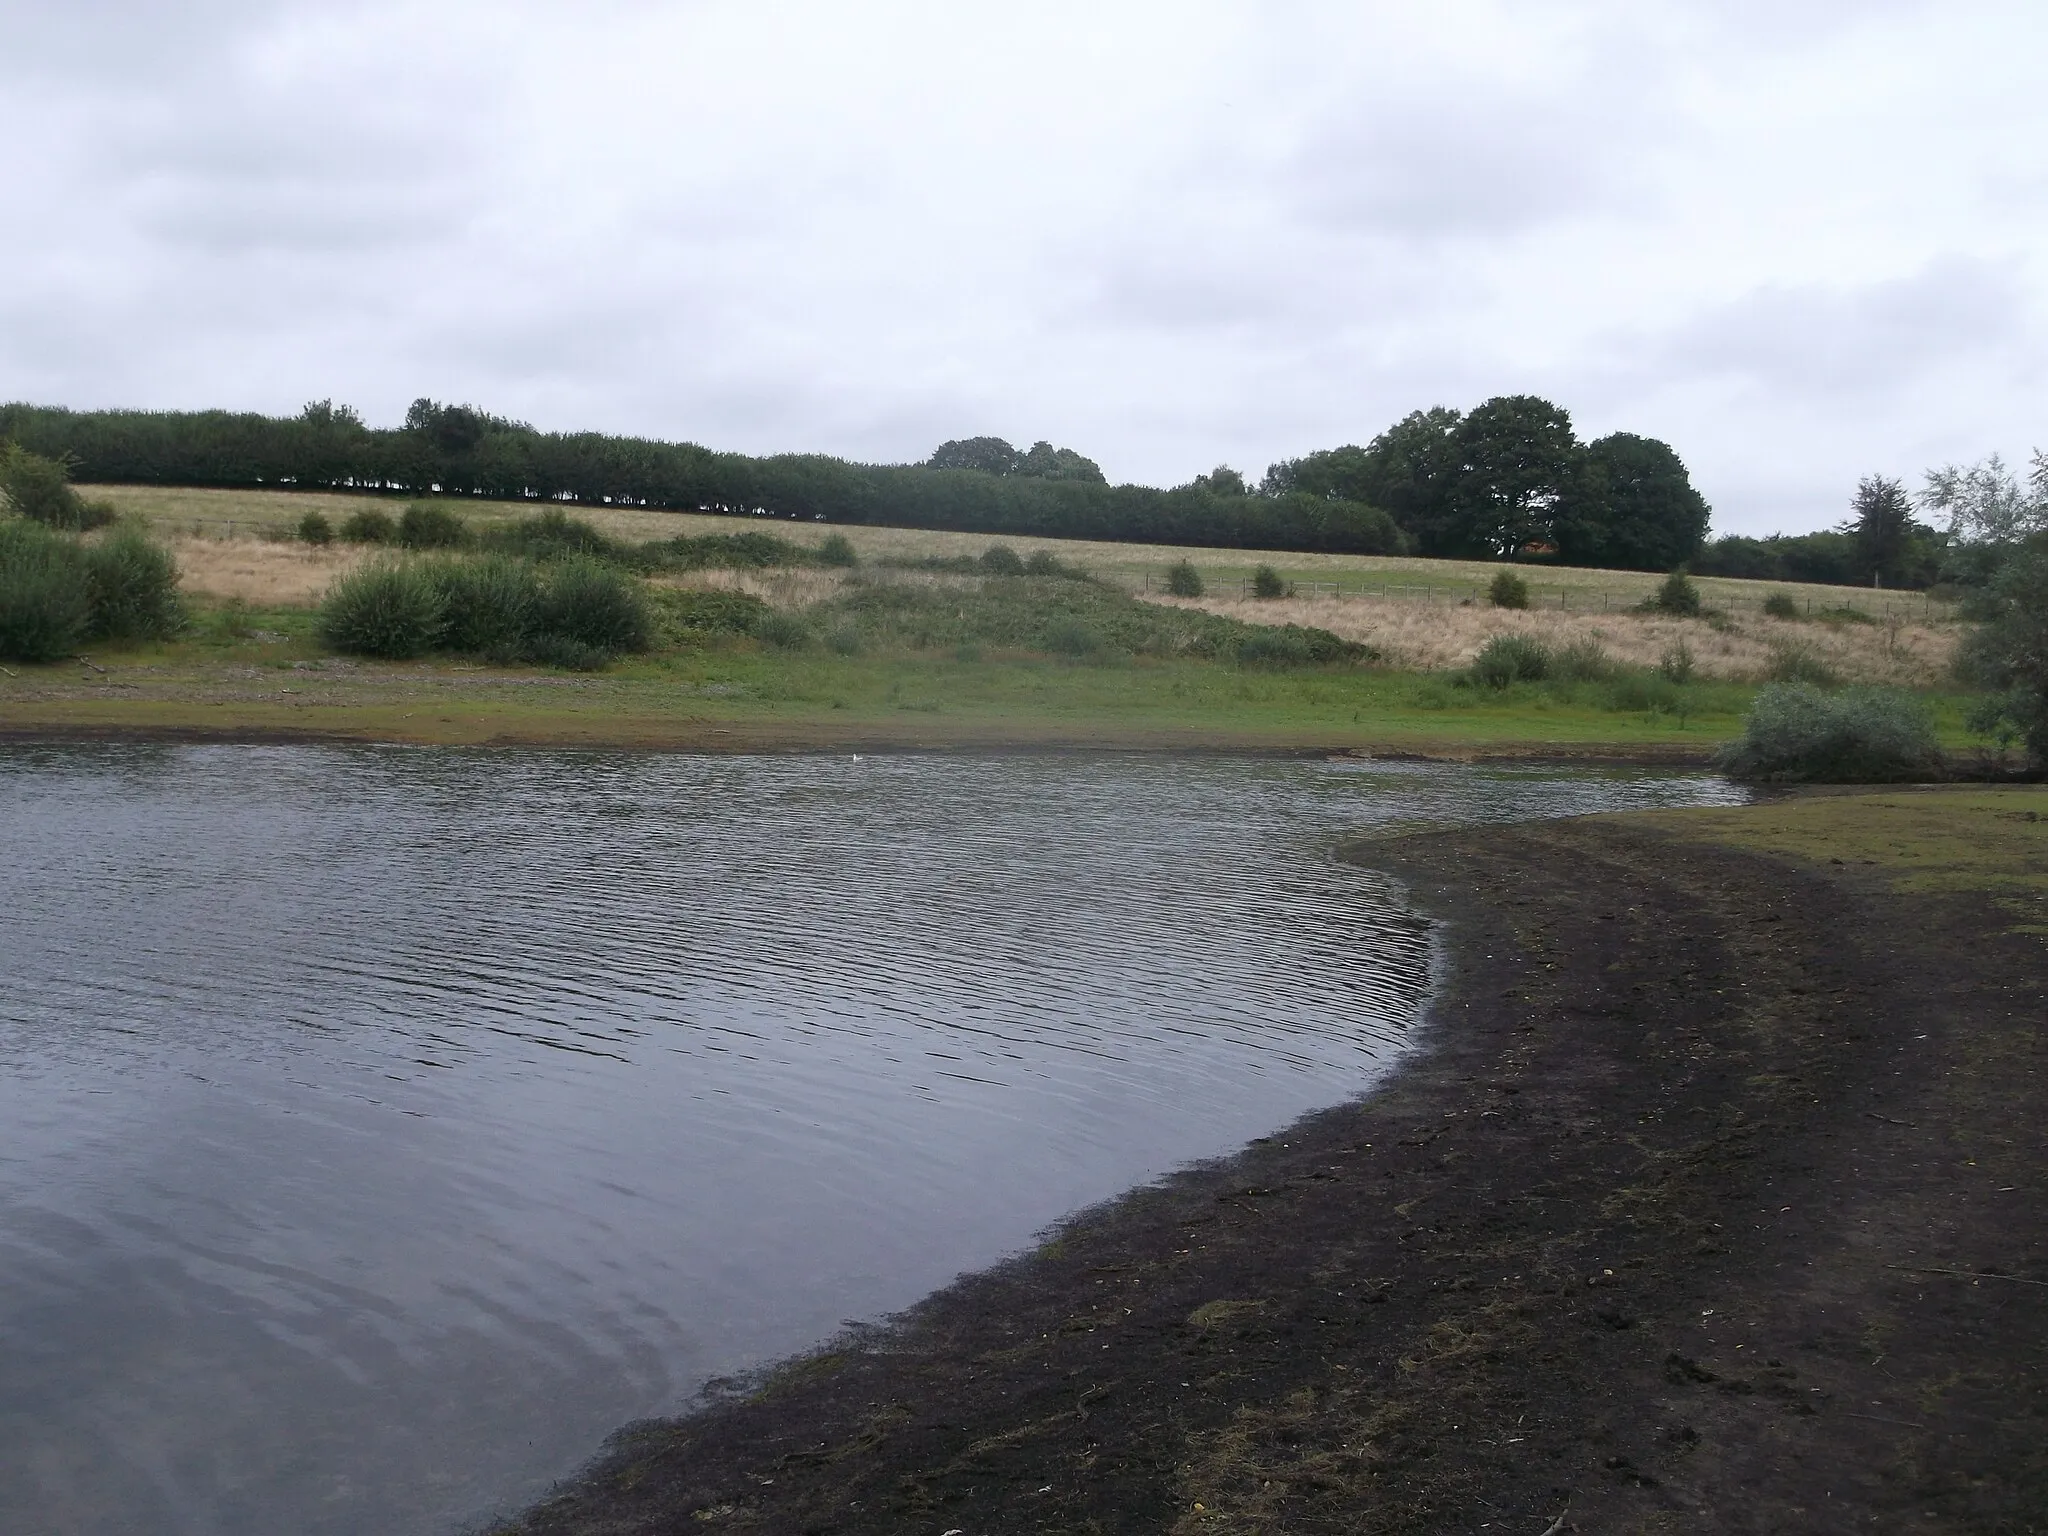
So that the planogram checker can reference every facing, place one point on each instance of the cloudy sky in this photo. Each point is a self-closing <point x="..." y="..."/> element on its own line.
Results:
<point x="1802" y="241"/>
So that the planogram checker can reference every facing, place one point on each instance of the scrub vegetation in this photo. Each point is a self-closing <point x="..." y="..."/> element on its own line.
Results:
<point x="770" y="632"/>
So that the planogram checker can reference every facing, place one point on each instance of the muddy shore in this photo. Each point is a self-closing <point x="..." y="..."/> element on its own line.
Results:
<point x="1712" y="1201"/>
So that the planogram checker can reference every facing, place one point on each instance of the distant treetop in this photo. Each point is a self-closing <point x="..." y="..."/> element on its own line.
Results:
<point x="993" y="456"/>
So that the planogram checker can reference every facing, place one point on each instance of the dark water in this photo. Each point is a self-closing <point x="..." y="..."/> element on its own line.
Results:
<point x="380" y="1128"/>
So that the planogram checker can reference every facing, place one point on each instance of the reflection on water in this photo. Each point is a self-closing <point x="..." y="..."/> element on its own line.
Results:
<point x="380" y="1128"/>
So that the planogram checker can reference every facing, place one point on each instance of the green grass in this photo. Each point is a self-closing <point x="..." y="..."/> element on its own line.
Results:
<point x="1942" y="839"/>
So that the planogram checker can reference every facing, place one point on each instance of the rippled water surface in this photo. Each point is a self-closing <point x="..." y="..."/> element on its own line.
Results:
<point x="380" y="1128"/>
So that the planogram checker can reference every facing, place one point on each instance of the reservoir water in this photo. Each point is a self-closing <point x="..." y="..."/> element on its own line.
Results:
<point x="380" y="1128"/>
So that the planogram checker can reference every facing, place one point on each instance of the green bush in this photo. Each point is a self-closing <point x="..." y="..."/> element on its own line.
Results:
<point x="371" y="525"/>
<point x="845" y="640"/>
<point x="315" y="529"/>
<point x="1797" y="734"/>
<point x="552" y="535"/>
<point x="1266" y="582"/>
<point x="1779" y="605"/>
<point x="132" y="586"/>
<point x="784" y="631"/>
<point x="1508" y="659"/>
<point x="391" y="609"/>
<point x="1508" y="591"/>
<point x="1293" y="645"/>
<point x="1183" y="580"/>
<point x="1844" y="615"/>
<point x="1582" y="661"/>
<point x="1677" y="596"/>
<point x="45" y="599"/>
<point x="1001" y="560"/>
<point x="593" y="604"/>
<point x="748" y="551"/>
<point x="490" y="605"/>
<point x="2008" y="655"/>
<point x="40" y="489"/>
<point x="714" y="612"/>
<point x="838" y="552"/>
<point x="1043" y="562"/>
<point x="1795" y="662"/>
<point x="1677" y="664"/>
<point x="1071" y="637"/>
<point x="1643" y="692"/>
<point x="425" y="525"/>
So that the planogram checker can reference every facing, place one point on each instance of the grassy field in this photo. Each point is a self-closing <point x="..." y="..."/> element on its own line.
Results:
<point x="213" y="513"/>
<point x="918" y="673"/>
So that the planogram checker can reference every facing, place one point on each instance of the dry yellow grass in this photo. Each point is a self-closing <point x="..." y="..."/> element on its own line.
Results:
<point x="259" y="573"/>
<point x="180" y="508"/>
<point x="1431" y="636"/>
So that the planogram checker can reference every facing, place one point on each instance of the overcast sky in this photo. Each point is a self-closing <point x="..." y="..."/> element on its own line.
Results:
<point x="1801" y="241"/>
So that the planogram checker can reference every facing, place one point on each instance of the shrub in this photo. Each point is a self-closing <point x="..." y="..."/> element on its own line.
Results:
<point x="1293" y="645"/>
<point x="1844" y="615"/>
<point x="40" y="489"/>
<point x="748" y="551"/>
<point x="1779" y="605"/>
<point x="1797" y="734"/>
<point x="132" y="585"/>
<point x="1794" y="662"/>
<point x="1508" y="591"/>
<point x="1071" y="637"/>
<point x="1043" y="562"/>
<point x="315" y="529"/>
<point x="2008" y="654"/>
<point x="1583" y="661"/>
<point x="844" y="640"/>
<point x="1677" y="596"/>
<point x="1266" y="582"/>
<point x="1507" y="659"/>
<point x="369" y="526"/>
<point x="1643" y="692"/>
<point x="489" y="605"/>
<point x="552" y="535"/>
<point x="1183" y="580"/>
<point x="45" y="600"/>
<point x="1677" y="664"/>
<point x="390" y="609"/>
<point x="1001" y="560"/>
<point x="593" y="604"/>
<point x="784" y="631"/>
<point x="837" y="551"/>
<point x="719" y="612"/>
<point x="427" y="526"/>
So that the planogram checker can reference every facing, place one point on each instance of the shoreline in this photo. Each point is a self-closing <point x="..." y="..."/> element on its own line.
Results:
<point x="801" y="738"/>
<point x="1657" y="1229"/>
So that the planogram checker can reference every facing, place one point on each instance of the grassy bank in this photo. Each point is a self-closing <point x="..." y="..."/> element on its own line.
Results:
<point x="1709" y="1208"/>
<point x="920" y="643"/>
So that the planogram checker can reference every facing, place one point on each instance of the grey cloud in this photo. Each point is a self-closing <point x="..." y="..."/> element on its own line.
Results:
<point x="1875" y="339"/>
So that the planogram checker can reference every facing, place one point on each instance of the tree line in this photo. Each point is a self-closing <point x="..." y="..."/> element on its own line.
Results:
<point x="1507" y="480"/>
<point x="977" y="486"/>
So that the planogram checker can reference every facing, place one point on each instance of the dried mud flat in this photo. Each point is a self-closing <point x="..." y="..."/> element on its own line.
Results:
<point x="1712" y="1203"/>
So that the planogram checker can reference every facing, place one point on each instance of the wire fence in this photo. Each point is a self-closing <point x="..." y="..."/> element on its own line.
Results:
<point x="1879" y="606"/>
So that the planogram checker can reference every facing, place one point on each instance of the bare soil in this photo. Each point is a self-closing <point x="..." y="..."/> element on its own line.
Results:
<point x="1713" y="1203"/>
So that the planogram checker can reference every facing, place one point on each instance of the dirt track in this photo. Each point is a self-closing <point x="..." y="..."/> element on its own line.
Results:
<point x="1714" y="1204"/>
